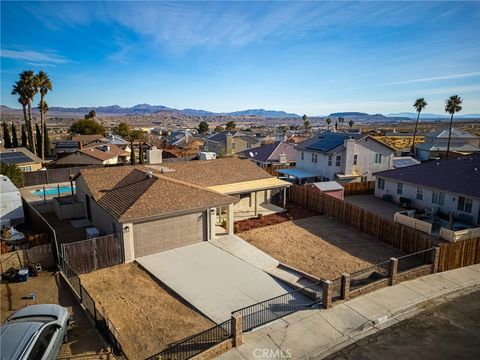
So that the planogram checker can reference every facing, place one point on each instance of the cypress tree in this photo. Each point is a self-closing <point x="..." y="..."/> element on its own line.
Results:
<point x="7" y="141"/>
<point x="14" y="136"/>
<point x="132" y="154"/>
<point x="46" y="145"/>
<point x="24" y="137"/>
<point x="142" y="161"/>
<point x="38" y="136"/>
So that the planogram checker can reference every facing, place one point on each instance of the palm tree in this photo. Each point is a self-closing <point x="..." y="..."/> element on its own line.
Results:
<point x="44" y="85"/>
<point x="350" y="123"/>
<point x="14" y="136"/>
<point x="419" y="105"/>
<point x="328" y="121"/>
<point x="18" y="90"/>
<point x="43" y="108"/>
<point x="452" y="105"/>
<point x="341" y="120"/>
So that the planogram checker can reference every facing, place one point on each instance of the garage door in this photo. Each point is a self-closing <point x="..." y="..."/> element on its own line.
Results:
<point x="166" y="234"/>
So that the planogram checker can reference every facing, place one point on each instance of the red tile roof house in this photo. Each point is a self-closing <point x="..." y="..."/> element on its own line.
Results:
<point x="160" y="207"/>
<point x="106" y="154"/>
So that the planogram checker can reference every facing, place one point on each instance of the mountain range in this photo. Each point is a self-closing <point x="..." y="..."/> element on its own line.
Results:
<point x="413" y="115"/>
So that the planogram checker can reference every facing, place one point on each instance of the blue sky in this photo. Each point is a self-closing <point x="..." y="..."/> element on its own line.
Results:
<point x="303" y="57"/>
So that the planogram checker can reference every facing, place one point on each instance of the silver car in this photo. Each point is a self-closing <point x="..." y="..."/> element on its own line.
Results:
<point x="34" y="333"/>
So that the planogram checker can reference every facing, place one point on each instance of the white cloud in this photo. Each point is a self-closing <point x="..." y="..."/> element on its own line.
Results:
<point x="433" y="78"/>
<point x="34" y="57"/>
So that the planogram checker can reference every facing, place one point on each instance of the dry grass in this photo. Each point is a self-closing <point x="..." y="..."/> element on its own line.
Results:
<point x="145" y="315"/>
<point x="320" y="246"/>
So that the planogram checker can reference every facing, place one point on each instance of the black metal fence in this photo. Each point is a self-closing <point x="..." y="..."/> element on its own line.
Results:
<point x="196" y="344"/>
<point x="370" y="275"/>
<point x="411" y="261"/>
<point x="275" y="308"/>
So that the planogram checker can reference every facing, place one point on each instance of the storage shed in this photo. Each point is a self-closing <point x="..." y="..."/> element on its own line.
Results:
<point x="11" y="208"/>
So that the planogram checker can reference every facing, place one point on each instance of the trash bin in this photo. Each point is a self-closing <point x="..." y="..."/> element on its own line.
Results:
<point x="22" y="275"/>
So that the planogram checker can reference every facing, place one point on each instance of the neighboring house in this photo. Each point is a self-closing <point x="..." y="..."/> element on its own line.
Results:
<point x="342" y="157"/>
<point x="403" y="161"/>
<point x="157" y="208"/>
<point x="88" y="140"/>
<point x="66" y="147"/>
<point x="22" y="157"/>
<point x="11" y="207"/>
<point x="279" y="153"/>
<point x="106" y="154"/>
<point x="444" y="185"/>
<point x="435" y="145"/>
<point x="229" y="142"/>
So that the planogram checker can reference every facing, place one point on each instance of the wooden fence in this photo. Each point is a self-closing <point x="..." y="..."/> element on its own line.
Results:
<point x="459" y="254"/>
<point x="394" y="234"/>
<point x="92" y="254"/>
<point x="359" y="188"/>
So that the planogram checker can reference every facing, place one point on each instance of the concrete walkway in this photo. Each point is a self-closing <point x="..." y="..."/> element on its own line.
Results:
<point x="317" y="333"/>
<point x="212" y="280"/>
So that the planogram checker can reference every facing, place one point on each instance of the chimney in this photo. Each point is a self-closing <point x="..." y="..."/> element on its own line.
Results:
<point x="349" y="145"/>
<point x="80" y="145"/>
<point x="187" y="136"/>
<point x="282" y="158"/>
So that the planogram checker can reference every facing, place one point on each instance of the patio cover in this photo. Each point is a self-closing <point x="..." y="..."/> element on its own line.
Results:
<point x="249" y="186"/>
<point x="297" y="173"/>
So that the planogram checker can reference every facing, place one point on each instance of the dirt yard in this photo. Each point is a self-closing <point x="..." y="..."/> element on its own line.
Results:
<point x="83" y="339"/>
<point x="146" y="316"/>
<point x="320" y="246"/>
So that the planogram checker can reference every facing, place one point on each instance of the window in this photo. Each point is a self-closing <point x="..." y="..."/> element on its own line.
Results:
<point x="464" y="204"/>
<point x="338" y="160"/>
<point x="355" y="159"/>
<point x="326" y="179"/>
<point x="249" y="145"/>
<point x="364" y="178"/>
<point x="419" y="193"/>
<point x="381" y="184"/>
<point x="378" y="158"/>
<point x="314" y="157"/>
<point x="302" y="156"/>
<point x="438" y="197"/>
<point x="399" y="188"/>
<point x="330" y="159"/>
<point x="42" y="343"/>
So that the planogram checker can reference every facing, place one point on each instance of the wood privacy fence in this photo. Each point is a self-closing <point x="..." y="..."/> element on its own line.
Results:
<point x="459" y="254"/>
<point x="50" y="176"/>
<point x="395" y="234"/>
<point x="92" y="254"/>
<point x="359" y="188"/>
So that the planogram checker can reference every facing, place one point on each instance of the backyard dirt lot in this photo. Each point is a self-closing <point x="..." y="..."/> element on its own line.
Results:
<point x="146" y="317"/>
<point x="83" y="339"/>
<point x="320" y="246"/>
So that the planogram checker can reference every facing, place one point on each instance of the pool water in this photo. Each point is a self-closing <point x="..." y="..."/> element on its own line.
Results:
<point x="53" y="191"/>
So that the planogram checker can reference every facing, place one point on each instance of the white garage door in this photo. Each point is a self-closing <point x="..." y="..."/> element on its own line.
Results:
<point x="160" y="235"/>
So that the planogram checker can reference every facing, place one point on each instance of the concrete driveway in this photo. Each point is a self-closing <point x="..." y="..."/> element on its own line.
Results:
<point x="212" y="280"/>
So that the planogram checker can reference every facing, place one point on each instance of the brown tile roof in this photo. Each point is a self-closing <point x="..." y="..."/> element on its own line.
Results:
<point x="97" y="152"/>
<point x="87" y="138"/>
<point x="129" y="194"/>
<point x="216" y="172"/>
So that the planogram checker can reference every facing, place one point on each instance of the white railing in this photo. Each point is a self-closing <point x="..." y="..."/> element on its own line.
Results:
<point x="409" y="221"/>
<point x="453" y="236"/>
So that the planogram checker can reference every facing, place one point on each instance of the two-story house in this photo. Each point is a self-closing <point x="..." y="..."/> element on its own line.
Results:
<point x="342" y="157"/>
<point x="229" y="143"/>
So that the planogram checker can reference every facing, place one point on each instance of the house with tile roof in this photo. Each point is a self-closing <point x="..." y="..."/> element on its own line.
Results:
<point x="279" y="153"/>
<point x="21" y="157"/>
<point x="230" y="142"/>
<point x="340" y="156"/>
<point x="105" y="154"/>
<point x="159" y="207"/>
<point x="448" y="185"/>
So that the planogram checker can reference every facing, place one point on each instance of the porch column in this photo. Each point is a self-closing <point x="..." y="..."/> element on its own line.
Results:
<point x="230" y="219"/>
<point x="284" y="198"/>
<point x="213" y="223"/>
<point x="256" y="202"/>
<point x="128" y="246"/>
<point x="220" y="215"/>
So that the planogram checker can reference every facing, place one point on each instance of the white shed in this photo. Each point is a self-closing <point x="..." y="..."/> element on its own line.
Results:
<point x="11" y="208"/>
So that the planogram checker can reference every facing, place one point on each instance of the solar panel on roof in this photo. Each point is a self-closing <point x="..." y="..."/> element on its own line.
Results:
<point x="14" y="158"/>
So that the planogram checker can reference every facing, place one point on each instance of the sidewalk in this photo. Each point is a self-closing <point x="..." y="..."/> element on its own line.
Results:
<point x="318" y="333"/>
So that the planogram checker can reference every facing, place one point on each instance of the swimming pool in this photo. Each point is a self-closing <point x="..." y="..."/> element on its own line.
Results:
<point x="53" y="191"/>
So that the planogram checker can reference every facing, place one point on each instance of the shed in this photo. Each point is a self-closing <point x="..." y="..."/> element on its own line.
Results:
<point x="11" y="207"/>
<point x="331" y="188"/>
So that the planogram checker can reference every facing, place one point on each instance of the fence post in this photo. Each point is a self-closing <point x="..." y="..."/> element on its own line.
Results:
<point x="435" y="258"/>
<point x="327" y="294"/>
<point x="345" y="286"/>
<point x="393" y="270"/>
<point x="237" y="329"/>
<point x="95" y="260"/>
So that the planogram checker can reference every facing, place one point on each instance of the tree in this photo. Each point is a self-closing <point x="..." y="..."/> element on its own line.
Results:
<point x="306" y="124"/>
<point x="140" y="154"/>
<point x="46" y="140"/>
<point x="122" y="130"/>
<point x="91" y="115"/>
<point x="336" y="125"/>
<point x="13" y="172"/>
<point x="136" y="135"/>
<point x="87" y="127"/>
<point x="203" y="127"/>
<point x="38" y="136"/>
<point x="350" y="123"/>
<point x="419" y="105"/>
<point x="7" y="141"/>
<point x="219" y="128"/>
<point x="26" y="88"/>
<point x="341" y="120"/>
<point x="43" y="107"/>
<point x="24" y="137"/>
<point x="132" y="154"/>
<point x="44" y="86"/>
<point x="230" y="126"/>
<point x="452" y="105"/>
<point x="14" y="136"/>
<point x="328" y="121"/>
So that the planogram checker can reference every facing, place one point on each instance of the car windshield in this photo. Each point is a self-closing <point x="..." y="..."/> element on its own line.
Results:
<point x="38" y="318"/>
